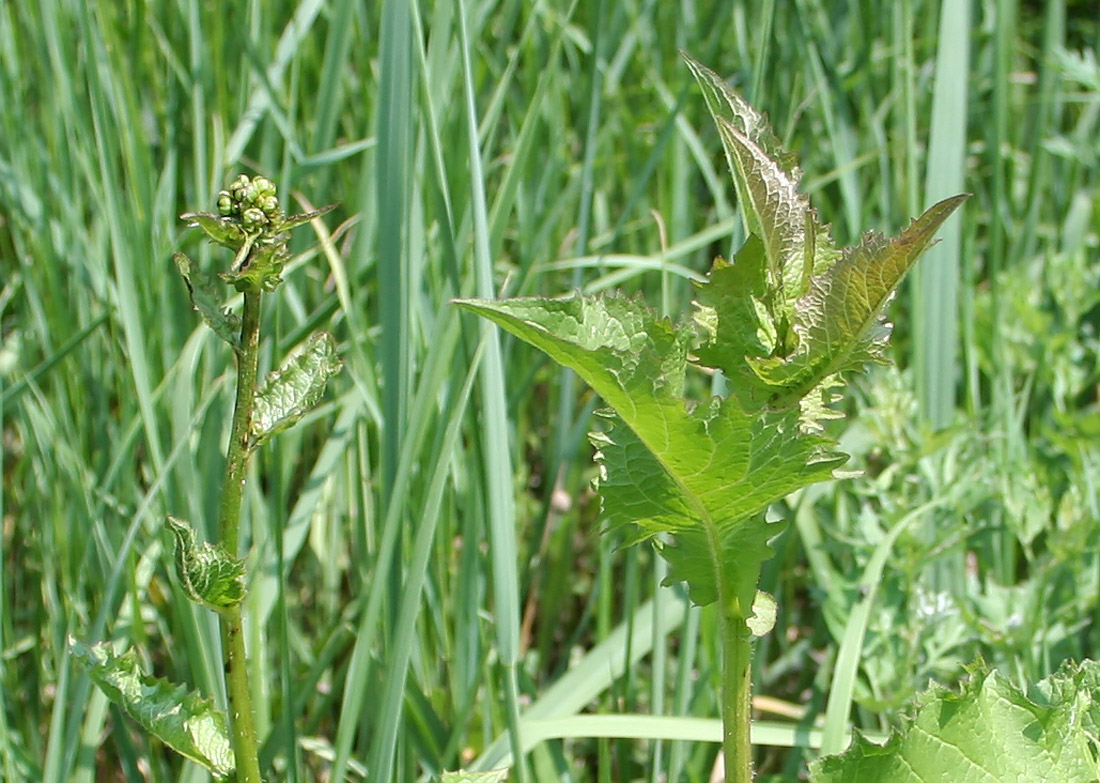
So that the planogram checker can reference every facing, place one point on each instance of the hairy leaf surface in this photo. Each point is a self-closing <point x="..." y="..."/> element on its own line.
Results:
<point x="183" y="720"/>
<point x="990" y="732"/>
<point x="492" y="776"/>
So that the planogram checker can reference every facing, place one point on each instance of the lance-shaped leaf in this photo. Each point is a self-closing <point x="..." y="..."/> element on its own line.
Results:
<point x="990" y="732"/>
<point x="205" y="299"/>
<point x="186" y="722"/>
<point x="292" y="390"/>
<point x="209" y="575"/>
<point x="465" y="776"/>
<point x="289" y="222"/>
<point x="700" y="474"/>
<point x="839" y="321"/>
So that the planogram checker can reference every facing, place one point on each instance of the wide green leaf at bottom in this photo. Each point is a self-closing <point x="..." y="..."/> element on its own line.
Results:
<point x="990" y="732"/>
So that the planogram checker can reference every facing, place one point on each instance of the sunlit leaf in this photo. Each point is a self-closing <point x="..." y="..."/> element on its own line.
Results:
<point x="990" y="732"/>
<point x="292" y="390"/>
<point x="186" y="722"/>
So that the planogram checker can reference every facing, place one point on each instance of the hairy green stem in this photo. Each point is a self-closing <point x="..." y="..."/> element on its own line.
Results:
<point x="241" y="725"/>
<point x="736" y="699"/>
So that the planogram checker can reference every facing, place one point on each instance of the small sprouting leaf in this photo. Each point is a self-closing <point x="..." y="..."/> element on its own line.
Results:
<point x="205" y="299"/>
<point x="990" y="732"/>
<point x="259" y="265"/>
<point x="183" y="720"/>
<point x="290" y="391"/>
<point x="224" y="230"/>
<point x="464" y="776"/>
<point x="210" y="576"/>
<point x="764" y="613"/>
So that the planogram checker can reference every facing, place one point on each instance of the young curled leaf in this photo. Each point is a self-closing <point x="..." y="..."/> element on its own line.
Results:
<point x="292" y="390"/>
<point x="200" y="287"/>
<point x="182" y="720"/>
<point x="210" y="576"/>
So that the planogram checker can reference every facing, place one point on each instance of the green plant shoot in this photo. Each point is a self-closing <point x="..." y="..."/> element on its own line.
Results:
<point x="251" y="223"/>
<point x="783" y="321"/>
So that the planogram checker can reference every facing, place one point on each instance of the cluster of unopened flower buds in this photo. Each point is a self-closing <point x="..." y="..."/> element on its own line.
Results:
<point x="253" y="201"/>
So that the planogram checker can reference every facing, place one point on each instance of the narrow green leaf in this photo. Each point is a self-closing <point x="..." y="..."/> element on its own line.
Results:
<point x="292" y="390"/>
<point x="293" y="221"/>
<point x="492" y="776"/>
<point x="210" y="576"/>
<point x="183" y="720"/>
<point x="205" y="299"/>
<point x="989" y="732"/>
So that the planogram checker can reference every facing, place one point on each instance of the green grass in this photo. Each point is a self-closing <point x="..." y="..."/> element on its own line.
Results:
<point x="428" y="575"/>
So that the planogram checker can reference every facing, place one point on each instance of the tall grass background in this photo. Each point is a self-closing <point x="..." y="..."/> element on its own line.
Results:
<point x="429" y="589"/>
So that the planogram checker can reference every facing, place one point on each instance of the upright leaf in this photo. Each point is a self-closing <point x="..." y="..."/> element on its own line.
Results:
<point x="186" y="722"/>
<point x="292" y="390"/>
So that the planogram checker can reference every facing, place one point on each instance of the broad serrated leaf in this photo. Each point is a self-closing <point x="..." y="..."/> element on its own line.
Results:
<point x="292" y="390"/>
<point x="700" y="474"/>
<point x="205" y="299"/>
<point x="186" y="722"/>
<point x="990" y="732"/>
<point x="209" y="575"/>
<point x="463" y="776"/>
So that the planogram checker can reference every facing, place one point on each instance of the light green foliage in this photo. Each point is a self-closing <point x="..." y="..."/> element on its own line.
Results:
<point x="793" y="310"/>
<point x="182" y="720"/>
<point x="492" y="776"/>
<point x="292" y="390"/>
<point x="783" y="321"/>
<point x="209" y="575"/>
<point x="989" y="732"/>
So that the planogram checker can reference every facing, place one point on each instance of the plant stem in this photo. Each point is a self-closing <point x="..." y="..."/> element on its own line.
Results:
<point x="736" y="699"/>
<point x="241" y="725"/>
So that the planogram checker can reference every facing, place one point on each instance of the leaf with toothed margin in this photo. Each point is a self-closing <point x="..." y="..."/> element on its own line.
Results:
<point x="210" y="576"/>
<point x="988" y="732"/>
<point x="185" y="721"/>
<point x="782" y="322"/>
<point x="205" y="299"/>
<point x="292" y="390"/>
<point x="699" y="474"/>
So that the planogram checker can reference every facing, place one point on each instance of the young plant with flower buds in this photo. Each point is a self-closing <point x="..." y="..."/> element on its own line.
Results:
<point x="251" y="223"/>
